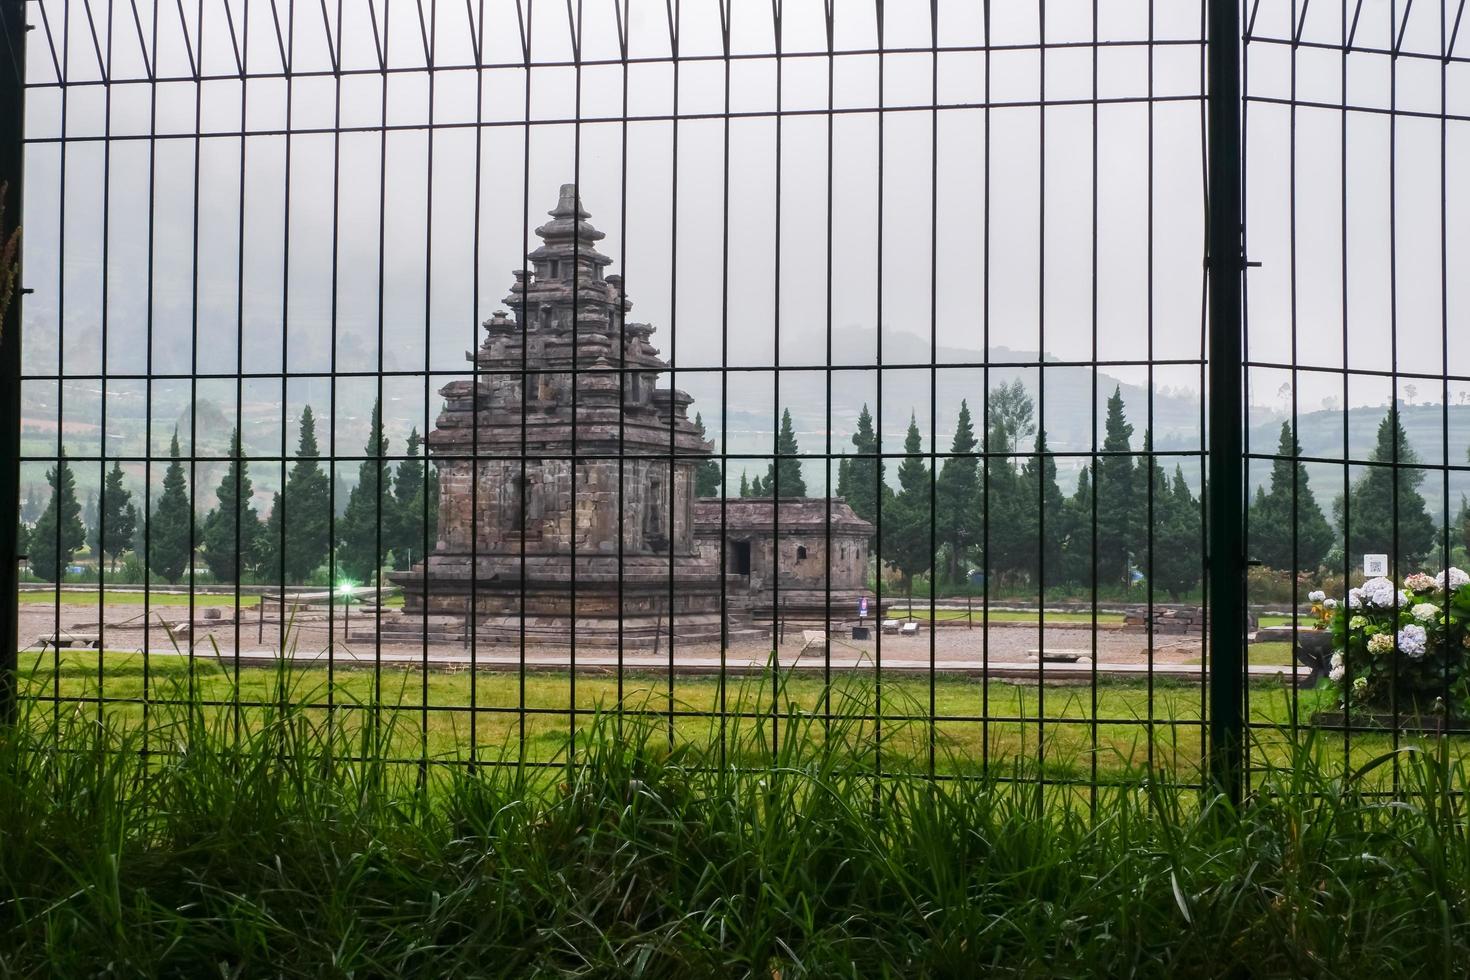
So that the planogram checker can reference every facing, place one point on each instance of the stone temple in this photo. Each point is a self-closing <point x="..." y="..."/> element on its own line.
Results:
<point x="611" y="543"/>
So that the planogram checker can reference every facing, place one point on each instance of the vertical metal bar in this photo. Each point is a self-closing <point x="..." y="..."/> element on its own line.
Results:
<point x="12" y="173"/>
<point x="1226" y="463"/>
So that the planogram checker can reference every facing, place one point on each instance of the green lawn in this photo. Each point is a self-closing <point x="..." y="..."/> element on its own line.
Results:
<point x="429" y="713"/>
<point x="1271" y="654"/>
<point x="279" y="842"/>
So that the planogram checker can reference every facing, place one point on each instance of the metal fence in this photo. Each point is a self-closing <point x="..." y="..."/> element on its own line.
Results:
<point x="937" y="279"/>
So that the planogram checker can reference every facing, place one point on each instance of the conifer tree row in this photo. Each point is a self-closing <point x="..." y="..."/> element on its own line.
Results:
<point x="999" y="507"/>
<point x="1132" y="514"/>
<point x="292" y="544"/>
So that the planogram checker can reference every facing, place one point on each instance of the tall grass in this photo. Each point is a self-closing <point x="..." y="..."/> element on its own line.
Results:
<point x="283" y="846"/>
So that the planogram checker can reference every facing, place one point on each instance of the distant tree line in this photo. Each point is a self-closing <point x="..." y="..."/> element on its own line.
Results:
<point x="998" y="505"/>
<point x="389" y="514"/>
<point x="991" y="503"/>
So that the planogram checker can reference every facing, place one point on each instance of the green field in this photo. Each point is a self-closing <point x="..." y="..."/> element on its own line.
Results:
<point x="281" y="838"/>
<point x="450" y="714"/>
<point x="1271" y="654"/>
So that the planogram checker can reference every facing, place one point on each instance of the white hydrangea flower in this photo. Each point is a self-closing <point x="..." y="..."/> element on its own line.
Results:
<point x="1457" y="578"/>
<point x="1378" y="592"/>
<point x="1413" y="641"/>
<point x="1355" y="598"/>
<point x="1419" y="582"/>
<point x="1425" y="612"/>
<point x="1316" y="596"/>
<point x="1380" y="643"/>
<point x="1329" y="603"/>
<point x="1339" y="668"/>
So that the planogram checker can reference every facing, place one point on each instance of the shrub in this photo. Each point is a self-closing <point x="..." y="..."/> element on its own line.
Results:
<point x="1404" y="649"/>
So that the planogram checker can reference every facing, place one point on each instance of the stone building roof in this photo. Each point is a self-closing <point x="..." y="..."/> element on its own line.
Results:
<point x="800" y="514"/>
<point x="563" y="363"/>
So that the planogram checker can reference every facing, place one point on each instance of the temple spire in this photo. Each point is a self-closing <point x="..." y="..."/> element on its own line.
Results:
<point x="567" y="204"/>
<point x="569" y="218"/>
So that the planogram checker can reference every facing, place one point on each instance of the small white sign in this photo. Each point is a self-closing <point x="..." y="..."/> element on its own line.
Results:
<point x="1375" y="566"/>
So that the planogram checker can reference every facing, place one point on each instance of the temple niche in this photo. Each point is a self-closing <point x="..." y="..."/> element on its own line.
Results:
<point x="567" y="476"/>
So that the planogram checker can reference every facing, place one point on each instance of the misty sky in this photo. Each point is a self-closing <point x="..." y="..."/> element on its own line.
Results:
<point x="423" y="251"/>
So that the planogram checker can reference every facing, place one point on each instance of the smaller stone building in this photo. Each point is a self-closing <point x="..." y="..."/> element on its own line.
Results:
<point x="808" y="558"/>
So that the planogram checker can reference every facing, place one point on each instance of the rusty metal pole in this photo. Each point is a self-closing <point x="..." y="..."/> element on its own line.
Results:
<point x="12" y="159"/>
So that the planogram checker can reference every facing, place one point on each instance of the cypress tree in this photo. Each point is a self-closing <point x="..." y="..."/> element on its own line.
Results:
<point x="744" y="484"/>
<point x="957" y="493"/>
<point x="1271" y="519"/>
<point x="232" y="534"/>
<point x="707" y="478"/>
<point x="169" y="529"/>
<point x="783" y="477"/>
<point x="1372" y="502"/>
<point x="270" y="543"/>
<point x="30" y="511"/>
<point x="1462" y="521"/>
<point x="341" y="492"/>
<point x="1040" y="497"/>
<point x="1177" y="560"/>
<point x="865" y="486"/>
<point x="358" y="554"/>
<point x="304" y="508"/>
<point x="1011" y="517"/>
<point x="59" y="533"/>
<point x="907" y="519"/>
<point x="93" y="524"/>
<point x="1118" y="516"/>
<point x="413" y="481"/>
<point x="1077" y="533"/>
<point x="119" y="517"/>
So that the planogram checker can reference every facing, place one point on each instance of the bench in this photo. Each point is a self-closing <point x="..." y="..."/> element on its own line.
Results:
<point x="1059" y="655"/>
<point x="66" y="639"/>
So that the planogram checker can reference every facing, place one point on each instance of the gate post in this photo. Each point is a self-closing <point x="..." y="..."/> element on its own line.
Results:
<point x="1226" y="470"/>
<point x="12" y="129"/>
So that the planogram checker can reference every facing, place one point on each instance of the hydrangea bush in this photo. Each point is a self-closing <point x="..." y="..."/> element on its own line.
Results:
<point x="1414" y="639"/>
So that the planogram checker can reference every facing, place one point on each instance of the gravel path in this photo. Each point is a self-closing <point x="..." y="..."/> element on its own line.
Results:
<point x="953" y="647"/>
